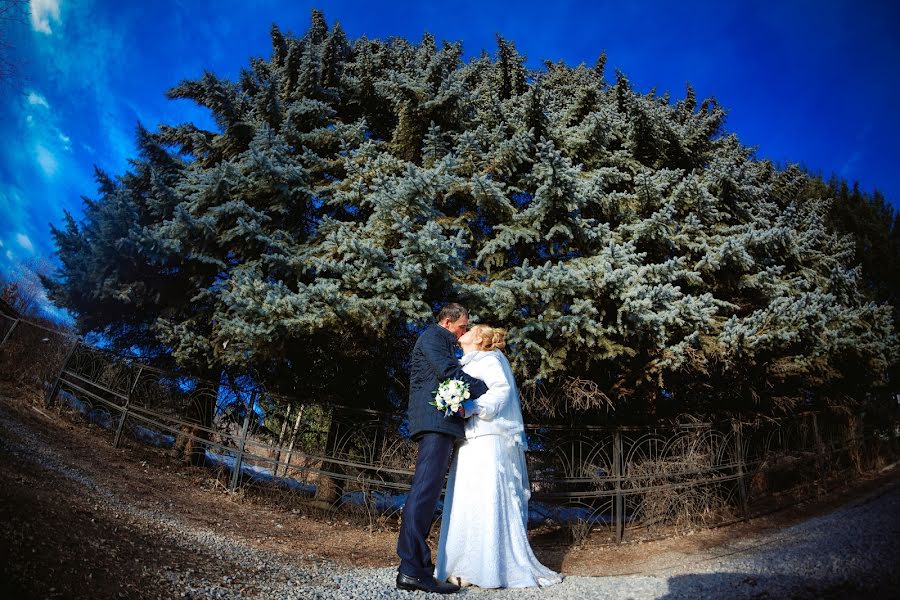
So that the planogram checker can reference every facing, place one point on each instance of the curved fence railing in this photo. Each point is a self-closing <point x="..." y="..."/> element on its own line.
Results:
<point x="612" y="481"/>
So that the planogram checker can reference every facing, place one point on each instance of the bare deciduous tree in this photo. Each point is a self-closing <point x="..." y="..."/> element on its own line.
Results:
<point x="24" y="290"/>
<point x="11" y="13"/>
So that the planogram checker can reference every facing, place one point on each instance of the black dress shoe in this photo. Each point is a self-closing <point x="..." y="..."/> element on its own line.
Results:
<point x="424" y="584"/>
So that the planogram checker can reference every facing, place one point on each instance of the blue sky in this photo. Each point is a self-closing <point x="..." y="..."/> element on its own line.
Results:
<point x="813" y="82"/>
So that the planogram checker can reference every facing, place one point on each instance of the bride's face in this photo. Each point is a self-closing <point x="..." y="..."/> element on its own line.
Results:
<point x="470" y="340"/>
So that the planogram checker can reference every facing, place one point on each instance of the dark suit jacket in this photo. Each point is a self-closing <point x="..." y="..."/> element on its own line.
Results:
<point x="433" y="361"/>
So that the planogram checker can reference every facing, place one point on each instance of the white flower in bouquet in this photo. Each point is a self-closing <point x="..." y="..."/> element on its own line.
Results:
<point x="450" y="395"/>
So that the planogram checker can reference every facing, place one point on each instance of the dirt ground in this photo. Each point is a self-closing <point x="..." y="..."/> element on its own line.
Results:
<point x="71" y="506"/>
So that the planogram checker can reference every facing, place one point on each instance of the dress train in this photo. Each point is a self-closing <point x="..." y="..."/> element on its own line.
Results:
<point x="484" y="535"/>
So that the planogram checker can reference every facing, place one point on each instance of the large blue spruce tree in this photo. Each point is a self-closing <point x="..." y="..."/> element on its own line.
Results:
<point x="631" y="245"/>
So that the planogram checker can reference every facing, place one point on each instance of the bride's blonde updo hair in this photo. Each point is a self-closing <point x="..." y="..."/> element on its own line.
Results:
<point x="491" y="338"/>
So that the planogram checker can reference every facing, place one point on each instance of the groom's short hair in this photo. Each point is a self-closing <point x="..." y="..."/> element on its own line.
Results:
<point x="452" y="311"/>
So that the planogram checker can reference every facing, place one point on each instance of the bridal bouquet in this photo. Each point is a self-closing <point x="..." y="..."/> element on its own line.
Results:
<point x="450" y="395"/>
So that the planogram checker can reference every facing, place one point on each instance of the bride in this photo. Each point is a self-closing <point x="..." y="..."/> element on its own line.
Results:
<point x="484" y="535"/>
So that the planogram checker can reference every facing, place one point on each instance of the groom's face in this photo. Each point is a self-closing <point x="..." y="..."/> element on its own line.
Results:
<point x="458" y="327"/>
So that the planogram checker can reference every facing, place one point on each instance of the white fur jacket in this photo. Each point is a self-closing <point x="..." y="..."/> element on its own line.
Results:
<point x="497" y="411"/>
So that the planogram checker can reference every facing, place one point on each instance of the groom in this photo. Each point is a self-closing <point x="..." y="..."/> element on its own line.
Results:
<point x="433" y="361"/>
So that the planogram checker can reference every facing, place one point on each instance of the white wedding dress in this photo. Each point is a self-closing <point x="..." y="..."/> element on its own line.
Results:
<point x="484" y="528"/>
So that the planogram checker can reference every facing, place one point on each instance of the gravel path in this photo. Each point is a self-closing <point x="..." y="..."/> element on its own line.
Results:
<point x="848" y="553"/>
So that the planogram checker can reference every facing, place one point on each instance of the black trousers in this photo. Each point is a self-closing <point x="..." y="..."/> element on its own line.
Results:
<point x="432" y="464"/>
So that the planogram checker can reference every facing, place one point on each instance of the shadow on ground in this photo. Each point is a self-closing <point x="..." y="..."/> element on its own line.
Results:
<point x="751" y="585"/>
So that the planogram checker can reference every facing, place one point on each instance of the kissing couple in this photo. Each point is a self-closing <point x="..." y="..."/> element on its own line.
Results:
<point x="484" y="527"/>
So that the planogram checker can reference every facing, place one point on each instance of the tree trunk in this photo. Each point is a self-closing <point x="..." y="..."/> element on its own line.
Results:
<point x="190" y="445"/>
<point x="290" y="450"/>
<point x="330" y="489"/>
<point x="280" y="443"/>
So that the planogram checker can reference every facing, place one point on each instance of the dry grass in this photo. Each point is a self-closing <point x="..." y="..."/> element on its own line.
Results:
<point x="681" y="502"/>
<point x="32" y="355"/>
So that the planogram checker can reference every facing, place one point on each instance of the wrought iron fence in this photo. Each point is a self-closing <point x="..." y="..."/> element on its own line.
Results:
<point x="615" y="481"/>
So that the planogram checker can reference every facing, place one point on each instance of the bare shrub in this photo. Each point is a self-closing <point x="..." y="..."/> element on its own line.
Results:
<point x="33" y="346"/>
<point x="361" y="508"/>
<point x="579" y="531"/>
<point x="572" y="394"/>
<point x="676" y="492"/>
<point x="777" y="473"/>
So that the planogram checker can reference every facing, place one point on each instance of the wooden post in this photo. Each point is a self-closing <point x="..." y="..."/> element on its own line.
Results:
<point x="52" y="395"/>
<point x="9" y="333"/>
<point x="125" y="408"/>
<point x="239" y="459"/>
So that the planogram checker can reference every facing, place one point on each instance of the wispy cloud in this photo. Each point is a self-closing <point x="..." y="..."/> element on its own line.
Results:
<point x="24" y="241"/>
<point x="42" y="13"/>
<point x="46" y="160"/>
<point x="39" y="177"/>
<point x="849" y="166"/>
<point x="46" y="139"/>
<point x="89" y="57"/>
<point x="72" y="105"/>
<point x="36" y="99"/>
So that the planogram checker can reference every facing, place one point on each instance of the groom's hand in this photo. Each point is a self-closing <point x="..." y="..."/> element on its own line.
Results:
<point x="469" y="407"/>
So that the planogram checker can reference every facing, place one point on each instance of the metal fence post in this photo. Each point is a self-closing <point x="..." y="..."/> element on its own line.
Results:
<point x="618" y="471"/>
<point x="125" y="408"/>
<point x="239" y="459"/>
<point x="52" y="395"/>
<point x="9" y="333"/>
<point x="739" y="460"/>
